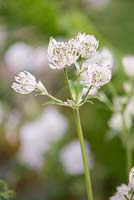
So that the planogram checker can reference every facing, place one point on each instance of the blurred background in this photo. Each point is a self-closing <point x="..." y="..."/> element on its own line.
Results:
<point x="39" y="151"/>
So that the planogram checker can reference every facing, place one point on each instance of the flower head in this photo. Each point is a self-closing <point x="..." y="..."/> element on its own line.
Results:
<point x="128" y="65"/>
<point x="96" y="76"/>
<point x="125" y="191"/>
<point x="26" y="83"/>
<point x="86" y="44"/>
<point x="61" y="54"/>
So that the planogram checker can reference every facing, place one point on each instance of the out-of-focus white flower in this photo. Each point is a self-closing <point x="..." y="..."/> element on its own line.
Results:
<point x="131" y="178"/>
<point x="86" y="45"/>
<point x="21" y="56"/>
<point x="12" y="123"/>
<point x="128" y="65"/>
<point x="102" y="58"/>
<point x="1" y="113"/>
<point x="62" y="54"/>
<point x="71" y="158"/>
<point x="3" y="36"/>
<point x="18" y="56"/>
<point x="115" y="122"/>
<point x="127" y="87"/>
<point x="26" y="83"/>
<point x="96" y="76"/>
<point x="129" y="113"/>
<point x="119" y="102"/>
<point x="37" y="137"/>
<point x="96" y="3"/>
<point x="125" y="191"/>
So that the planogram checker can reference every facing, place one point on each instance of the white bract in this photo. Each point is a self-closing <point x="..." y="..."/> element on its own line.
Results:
<point x="36" y="138"/>
<point x="26" y="83"/>
<point x="71" y="158"/>
<point x="125" y="191"/>
<point x="86" y="45"/>
<point x="61" y="54"/>
<point x="128" y="65"/>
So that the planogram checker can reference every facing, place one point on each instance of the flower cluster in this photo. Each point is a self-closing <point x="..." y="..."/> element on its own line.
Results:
<point x="93" y="69"/>
<point x="125" y="191"/>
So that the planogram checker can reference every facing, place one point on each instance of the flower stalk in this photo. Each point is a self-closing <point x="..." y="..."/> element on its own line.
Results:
<point x="83" y="151"/>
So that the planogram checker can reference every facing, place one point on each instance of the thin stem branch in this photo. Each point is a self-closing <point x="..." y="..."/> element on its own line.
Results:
<point x="67" y="81"/>
<point x="84" y="157"/>
<point x="128" y="147"/>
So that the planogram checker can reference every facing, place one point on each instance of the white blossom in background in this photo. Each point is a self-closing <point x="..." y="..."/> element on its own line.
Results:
<point x="116" y="121"/>
<point x="61" y="54"/>
<point x="71" y="158"/>
<point x="102" y="58"/>
<point x="128" y="88"/>
<point x="2" y="113"/>
<point x="3" y="35"/>
<point x="37" y="137"/>
<point x="128" y="65"/>
<point x="86" y="45"/>
<point x="18" y="56"/>
<point x="21" y="56"/>
<point x="26" y="83"/>
<point x="125" y="191"/>
<point x="12" y="124"/>
<point x="96" y="3"/>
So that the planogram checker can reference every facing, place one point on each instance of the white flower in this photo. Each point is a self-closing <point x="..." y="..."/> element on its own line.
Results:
<point x="2" y="113"/>
<point x="102" y="58"/>
<point x="128" y="65"/>
<point x="36" y="138"/>
<point x="62" y="54"/>
<point x="125" y="191"/>
<point x="115" y="122"/>
<point x="3" y="35"/>
<point x="21" y="56"/>
<point x="96" y="76"/>
<point x="71" y="158"/>
<point x="12" y="124"/>
<point x="127" y="87"/>
<point x="131" y="178"/>
<point x="26" y="83"/>
<point x="86" y="45"/>
<point x="96" y="3"/>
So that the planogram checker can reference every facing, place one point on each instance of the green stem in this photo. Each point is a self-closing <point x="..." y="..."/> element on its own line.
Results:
<point x="84" y="157"/>
<point x="67" y="81"/>
<point x="128" y="147"/>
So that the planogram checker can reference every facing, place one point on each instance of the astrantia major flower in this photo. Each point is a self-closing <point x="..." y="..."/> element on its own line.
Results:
<point x="125" y="191"/>
<point x="26" y="83"/>
<point x="96" y="76"/>
<point x="62" y="54"/>
<point x="86" y="45"/>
